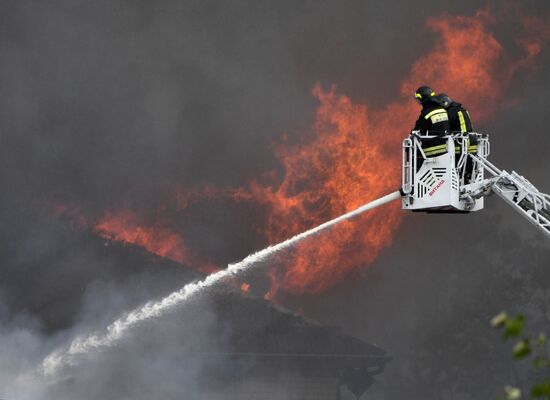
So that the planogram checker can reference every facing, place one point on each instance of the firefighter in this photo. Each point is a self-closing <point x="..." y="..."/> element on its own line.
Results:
<point x="433" y="118"/>
<point x="459" y="117"/>
<point x="460" y="122"/>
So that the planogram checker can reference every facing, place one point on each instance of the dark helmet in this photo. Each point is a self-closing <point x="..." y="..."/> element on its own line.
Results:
<point x="423" y="94"/>
<point x="443" y="100"/>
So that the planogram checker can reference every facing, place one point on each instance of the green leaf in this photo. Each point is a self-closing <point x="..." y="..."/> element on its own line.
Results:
<point x="499" y="320"/>
<point x="513" y="327"/>
<point x="522" y="349"/>
<point x="512" y="393"/>
<point x="542" y="389"/>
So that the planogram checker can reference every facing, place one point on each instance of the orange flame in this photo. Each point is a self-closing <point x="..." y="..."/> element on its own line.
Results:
<point x="355" y="156"/>
<point x="245" y="287"/>
<point x="464" y="62"/>
<point x="126" y="227"/>
<point x="341" y="169"/>
<point x="470" y="64"/>
<point x="345" y="166"/>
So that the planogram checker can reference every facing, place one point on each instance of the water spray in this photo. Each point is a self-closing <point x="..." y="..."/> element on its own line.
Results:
<point x="117" y="329"/>
<point x="452" y="181"/>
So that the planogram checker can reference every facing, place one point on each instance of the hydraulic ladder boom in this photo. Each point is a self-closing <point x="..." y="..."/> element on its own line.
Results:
<point x="515" y="190"/>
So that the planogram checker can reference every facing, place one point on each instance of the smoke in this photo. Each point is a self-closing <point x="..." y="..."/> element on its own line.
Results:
<point x="109" y="105"/>
<point x="117" y="329"/>
<point x="162" y="360"/>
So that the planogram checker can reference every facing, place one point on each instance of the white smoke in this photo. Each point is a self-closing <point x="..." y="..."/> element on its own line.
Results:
<point x="117" y="329"/>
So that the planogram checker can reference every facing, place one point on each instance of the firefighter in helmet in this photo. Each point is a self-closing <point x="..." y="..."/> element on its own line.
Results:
<point x="459" y="117"/>
<point x="433" y="118"/>
<point x="460" y="122"/>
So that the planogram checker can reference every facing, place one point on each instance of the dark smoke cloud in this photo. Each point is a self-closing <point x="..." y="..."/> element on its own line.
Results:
<point x="108" y="103"/>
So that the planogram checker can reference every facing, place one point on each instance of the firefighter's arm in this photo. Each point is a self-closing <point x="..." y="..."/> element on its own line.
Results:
<point x="420" y="124"/>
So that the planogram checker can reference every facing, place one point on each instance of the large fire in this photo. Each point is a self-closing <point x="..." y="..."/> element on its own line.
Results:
<point x="348" y="164"/>
<point x="353" y="158"/>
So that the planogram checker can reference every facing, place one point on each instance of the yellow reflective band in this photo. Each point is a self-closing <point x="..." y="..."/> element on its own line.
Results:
<point x="433" y="153"/>
<point x="436" y="151"/>
<point x="462" y="122"/>
<point x="440" y="149"/>
<point x="432" y="94"/>
<point x="472" y="149"/>
<point x="418" y="95"/>
<point x="441" y="146"/>
<point x="438" y="111"/>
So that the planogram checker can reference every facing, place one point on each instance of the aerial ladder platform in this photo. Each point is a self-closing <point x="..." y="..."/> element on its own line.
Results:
<point x="447" y="174"/>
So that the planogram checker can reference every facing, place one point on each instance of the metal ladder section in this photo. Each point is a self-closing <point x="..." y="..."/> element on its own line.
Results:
<point x="519" y="193"/>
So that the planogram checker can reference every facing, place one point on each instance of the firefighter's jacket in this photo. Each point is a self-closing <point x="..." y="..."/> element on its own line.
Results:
<point x="459" y="118"/>
<point x="433" y="120"/>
